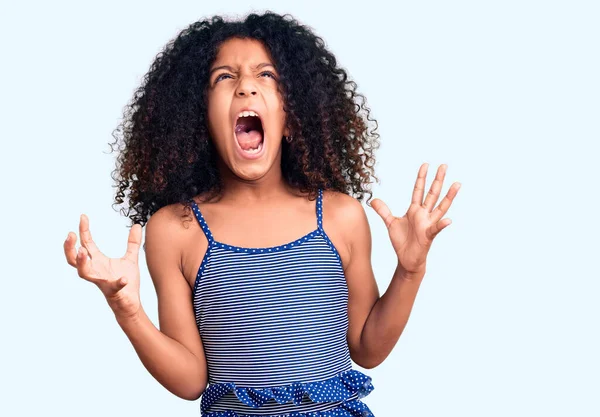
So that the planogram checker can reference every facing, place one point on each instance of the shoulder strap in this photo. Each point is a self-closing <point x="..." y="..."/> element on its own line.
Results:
<point x="320" y="209"/>
<point x="202" y="222"/>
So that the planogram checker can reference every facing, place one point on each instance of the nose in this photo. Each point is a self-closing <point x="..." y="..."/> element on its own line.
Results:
<point x="246" y="87"/>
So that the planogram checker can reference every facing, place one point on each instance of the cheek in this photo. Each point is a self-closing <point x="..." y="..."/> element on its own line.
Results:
<point x="275" y="103"/>
<point x="218" y="118"/>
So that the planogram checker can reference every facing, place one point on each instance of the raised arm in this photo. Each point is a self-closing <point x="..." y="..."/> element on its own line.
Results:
<point x="174" y="354"/>
<point x="376" y="323"/>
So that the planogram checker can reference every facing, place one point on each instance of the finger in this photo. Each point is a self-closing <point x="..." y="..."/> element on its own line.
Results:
<point x="417" y="197"/>
<point x="436" y="187"/>
<point x="86" y="236"/>
<point x="133" y="243"/>
<point x="84" y="268"/>
<point x="70" y="251"/>
<point x="116" y="285"/>
<point x="384" y="212"/>
<point x="438" y="227"/>
<point x="444" y="205"/>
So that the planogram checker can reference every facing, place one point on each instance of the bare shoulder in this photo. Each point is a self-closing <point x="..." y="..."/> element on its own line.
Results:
<point x="167" y="226"/>
<point x="173" y="236"/>
<point x="344" y="221"/>
<point x="345" y="207"/>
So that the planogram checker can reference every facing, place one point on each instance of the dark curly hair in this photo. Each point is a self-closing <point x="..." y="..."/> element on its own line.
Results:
<point x="166" y="155"/>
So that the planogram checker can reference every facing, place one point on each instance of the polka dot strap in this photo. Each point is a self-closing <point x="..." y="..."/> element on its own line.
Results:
<point x="320" y="209"/>
<point x="202" y="222"/>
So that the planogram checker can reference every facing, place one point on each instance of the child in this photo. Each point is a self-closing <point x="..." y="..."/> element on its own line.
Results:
<point x="250" y="131"/>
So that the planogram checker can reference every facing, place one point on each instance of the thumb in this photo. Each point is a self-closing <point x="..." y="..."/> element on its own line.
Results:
<point x="384" y="212"/>
<point x="133" y="243"/>
<point x="117" y="285"/>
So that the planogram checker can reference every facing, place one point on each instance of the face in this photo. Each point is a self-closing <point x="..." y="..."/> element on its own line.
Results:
<point x="243" y="76"/>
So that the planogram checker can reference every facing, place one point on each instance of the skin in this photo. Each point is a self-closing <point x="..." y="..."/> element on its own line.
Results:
<point x="258" y="209"/>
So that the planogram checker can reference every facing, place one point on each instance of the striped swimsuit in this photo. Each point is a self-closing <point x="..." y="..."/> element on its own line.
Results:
<point x="273" y="322"/>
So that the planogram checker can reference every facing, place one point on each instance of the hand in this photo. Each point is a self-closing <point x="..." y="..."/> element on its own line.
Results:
<point x="118" y="279"/>
<point x="413" y="233"/>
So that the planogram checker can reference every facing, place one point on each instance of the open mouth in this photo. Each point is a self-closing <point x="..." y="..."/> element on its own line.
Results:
<point x="249" y="134"/>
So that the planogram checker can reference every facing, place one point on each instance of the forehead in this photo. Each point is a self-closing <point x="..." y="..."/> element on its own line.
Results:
<point x="237" y="52"/>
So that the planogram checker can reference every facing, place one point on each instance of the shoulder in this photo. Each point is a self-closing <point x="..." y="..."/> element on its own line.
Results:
<point x="173" y="240"/>
<point x="346" y="223"/>
<point x="167" y="225"/>
<point x="346" y="209"/>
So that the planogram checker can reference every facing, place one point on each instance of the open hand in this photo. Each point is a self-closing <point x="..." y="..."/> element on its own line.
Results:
<point x="413" y="233"/>
<point x="118" y="279"/>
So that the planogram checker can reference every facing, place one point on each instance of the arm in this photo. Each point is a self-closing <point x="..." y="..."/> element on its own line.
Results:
<point x="411" y="236"/>
<point x="174" y="354"/>
<point x="376" y="323"/>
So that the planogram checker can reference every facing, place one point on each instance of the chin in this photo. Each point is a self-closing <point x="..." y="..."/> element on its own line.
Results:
<point x="252" y="171"/>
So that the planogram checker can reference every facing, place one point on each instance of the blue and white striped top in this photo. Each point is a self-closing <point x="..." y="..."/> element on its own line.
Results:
<point x="273" y="322"/>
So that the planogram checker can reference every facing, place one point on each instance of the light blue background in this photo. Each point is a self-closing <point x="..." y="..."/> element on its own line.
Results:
<point x="506" y="93"/>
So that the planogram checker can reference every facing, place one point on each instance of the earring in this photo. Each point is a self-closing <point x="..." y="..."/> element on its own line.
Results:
<point x="289" y="139"/>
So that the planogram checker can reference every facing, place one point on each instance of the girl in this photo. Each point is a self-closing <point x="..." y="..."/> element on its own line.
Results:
<point x="246" y="154"/>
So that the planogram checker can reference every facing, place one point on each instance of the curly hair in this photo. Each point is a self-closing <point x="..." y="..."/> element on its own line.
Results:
<point x="166" y="155"/>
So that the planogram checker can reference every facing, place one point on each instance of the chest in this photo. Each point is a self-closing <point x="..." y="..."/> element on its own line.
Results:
<point x="260" y="232"/>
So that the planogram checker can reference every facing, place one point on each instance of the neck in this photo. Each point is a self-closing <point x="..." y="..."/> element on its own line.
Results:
<point x="268" y="187"/>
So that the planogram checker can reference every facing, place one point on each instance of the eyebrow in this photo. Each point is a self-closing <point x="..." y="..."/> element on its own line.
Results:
<point x="227" y="67"/>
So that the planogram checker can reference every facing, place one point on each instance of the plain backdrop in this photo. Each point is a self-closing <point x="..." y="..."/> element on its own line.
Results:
<point x="504" y="92"/>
